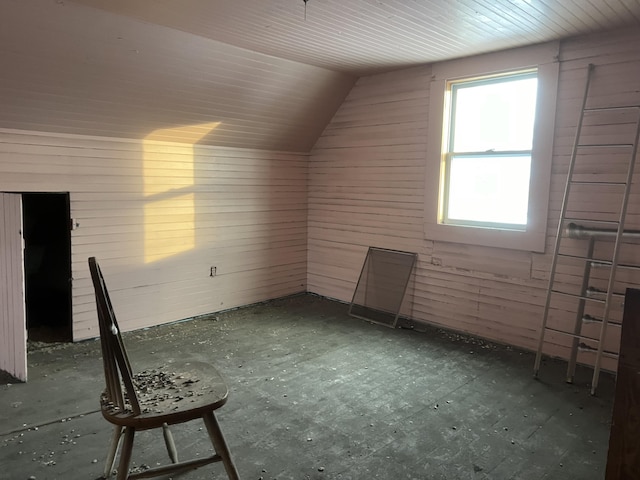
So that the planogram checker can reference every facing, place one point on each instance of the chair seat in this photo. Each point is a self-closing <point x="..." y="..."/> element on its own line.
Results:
<point x="170" y="394"/>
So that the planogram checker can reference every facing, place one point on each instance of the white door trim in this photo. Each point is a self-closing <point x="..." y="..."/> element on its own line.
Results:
<point x="13" y="323"/>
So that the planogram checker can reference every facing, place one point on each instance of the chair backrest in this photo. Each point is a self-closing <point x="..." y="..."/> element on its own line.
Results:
<point x="120" y="390"/>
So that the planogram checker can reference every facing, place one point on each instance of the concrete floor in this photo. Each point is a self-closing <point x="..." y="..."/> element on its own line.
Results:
<point x="316" y="394"/>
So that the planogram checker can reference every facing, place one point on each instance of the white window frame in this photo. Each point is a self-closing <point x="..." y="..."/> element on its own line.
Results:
<point x="544" y="58"/>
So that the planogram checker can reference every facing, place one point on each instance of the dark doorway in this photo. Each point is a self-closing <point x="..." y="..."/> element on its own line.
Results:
<point x="47" y="262"/>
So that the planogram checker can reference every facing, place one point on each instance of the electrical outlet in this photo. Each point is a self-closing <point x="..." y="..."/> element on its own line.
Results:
<point x="212" y="271"/>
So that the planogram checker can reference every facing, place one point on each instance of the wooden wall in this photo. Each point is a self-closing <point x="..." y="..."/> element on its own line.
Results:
<point x="110" y="90"/>
<point x="158" y="215"/>
<point x="366" y="188"/>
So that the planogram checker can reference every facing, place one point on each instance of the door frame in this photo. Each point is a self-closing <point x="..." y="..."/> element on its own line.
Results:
<point x="13" y="320"/>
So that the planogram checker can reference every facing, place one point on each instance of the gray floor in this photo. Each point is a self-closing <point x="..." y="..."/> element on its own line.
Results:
<point x="316" y="394"/>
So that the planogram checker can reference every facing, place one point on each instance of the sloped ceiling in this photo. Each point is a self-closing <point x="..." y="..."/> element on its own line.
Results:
<point x="67" y="68"/>
<point x="365" y="36"/>
<point x="252" y="73"/>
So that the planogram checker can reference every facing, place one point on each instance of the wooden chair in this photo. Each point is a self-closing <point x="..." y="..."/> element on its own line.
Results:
<point x="154" y="398"/>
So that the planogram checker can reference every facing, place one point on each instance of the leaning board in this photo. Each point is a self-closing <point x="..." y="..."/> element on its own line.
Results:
<point x="382" y="285"/>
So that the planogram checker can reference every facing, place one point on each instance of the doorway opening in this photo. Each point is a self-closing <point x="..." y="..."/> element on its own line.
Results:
<point x="47" y="266"/>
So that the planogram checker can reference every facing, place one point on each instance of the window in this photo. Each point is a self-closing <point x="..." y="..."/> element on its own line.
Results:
<point x="487" y="152"/>
<point x="489" y="148"/>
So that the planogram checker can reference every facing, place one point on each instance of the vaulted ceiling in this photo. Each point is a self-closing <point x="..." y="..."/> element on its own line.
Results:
<point x="262" y="73"/>
<point x="364" y="36"/>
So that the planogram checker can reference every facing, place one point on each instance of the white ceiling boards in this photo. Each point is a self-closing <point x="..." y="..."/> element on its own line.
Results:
<point x="365" y="36"/>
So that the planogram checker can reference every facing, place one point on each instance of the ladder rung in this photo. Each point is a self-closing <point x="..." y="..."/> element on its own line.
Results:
<point x="614" y="184"/>
<point x="585" y="220"/>
<point x="604" y="145"/>
<point x="591" y="319"/>
<point x="600" y="263"/>
<point x="597" y="291"/>
<point x="594" y="261"/>
<point x="572" y="335"/>
<point x="586" y="348"/>
<point x="604" y="109"/>
<point x="606" y="263"/>
<point x="629" y="267"/>
<point x="582" y="297"/>
<point x="577" y="257"/>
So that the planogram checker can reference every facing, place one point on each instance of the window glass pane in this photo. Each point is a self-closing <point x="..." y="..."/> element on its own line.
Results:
<point x="494" y="115"/>
<point x="489" y="189"/>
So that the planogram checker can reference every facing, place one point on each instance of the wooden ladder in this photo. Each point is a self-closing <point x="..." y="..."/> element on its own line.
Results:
<point x="585" y="297"/>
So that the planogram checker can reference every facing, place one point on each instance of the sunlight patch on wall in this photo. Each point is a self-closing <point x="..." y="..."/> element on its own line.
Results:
<point x="168" y="171"/>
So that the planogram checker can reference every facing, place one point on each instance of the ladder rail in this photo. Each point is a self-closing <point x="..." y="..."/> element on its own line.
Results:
<point x="616" y="255"/>
<point x="563" y="211"/>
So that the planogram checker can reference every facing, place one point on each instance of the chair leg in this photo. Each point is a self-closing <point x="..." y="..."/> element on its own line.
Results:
<point x="125" y="455"/>
<point x="220" y="445"/>
<point x="113" y="451"/>
<point x="168" y="441"/>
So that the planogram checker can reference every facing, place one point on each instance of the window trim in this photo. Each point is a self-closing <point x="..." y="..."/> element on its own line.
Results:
<point x="544" y="58"/>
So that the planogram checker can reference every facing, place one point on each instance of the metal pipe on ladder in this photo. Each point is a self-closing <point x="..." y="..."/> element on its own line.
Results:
<point x="578" y="231"/>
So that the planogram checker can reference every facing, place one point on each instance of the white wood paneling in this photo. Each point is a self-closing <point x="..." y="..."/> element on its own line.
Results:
<point x="366" y="189"/>
<point x="13" y="325"/>
<point x="67" y="68"/>
<point x="365" y="36"/>
<point x="159" y="215"/>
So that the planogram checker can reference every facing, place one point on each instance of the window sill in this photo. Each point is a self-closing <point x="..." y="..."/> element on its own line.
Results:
<point x="532" y="241"/>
